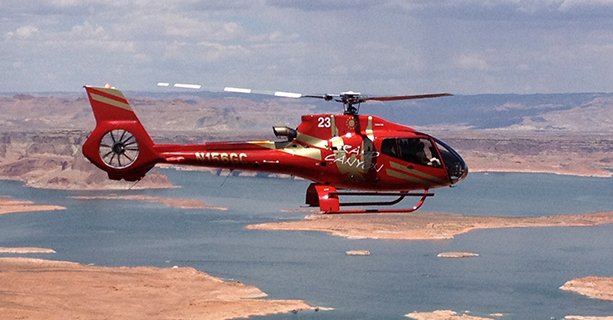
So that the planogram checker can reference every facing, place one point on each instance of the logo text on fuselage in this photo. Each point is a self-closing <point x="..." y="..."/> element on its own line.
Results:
<point x="355" y="157"/>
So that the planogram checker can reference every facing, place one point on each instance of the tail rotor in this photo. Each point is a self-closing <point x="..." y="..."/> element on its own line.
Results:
<point x="119" y="148"/>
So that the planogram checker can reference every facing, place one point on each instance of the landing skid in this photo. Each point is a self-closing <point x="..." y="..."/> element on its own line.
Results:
<point x="327" y="199"/>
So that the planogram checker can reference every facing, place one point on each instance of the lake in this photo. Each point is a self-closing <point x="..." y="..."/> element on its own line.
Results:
<point x="517" y="273"/>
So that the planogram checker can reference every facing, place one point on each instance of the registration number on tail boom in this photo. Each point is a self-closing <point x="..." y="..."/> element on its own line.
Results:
<point x="221" y="156"/>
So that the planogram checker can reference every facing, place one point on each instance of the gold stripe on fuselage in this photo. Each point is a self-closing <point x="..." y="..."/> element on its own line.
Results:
<point x="419" y="174"/>
<point x="291" y="148"/>
<point x="313" y="141"/>
<point x="400" y="175"/>
<point x="369" y="132"/>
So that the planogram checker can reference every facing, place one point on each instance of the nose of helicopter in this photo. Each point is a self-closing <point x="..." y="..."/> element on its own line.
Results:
<point x="456" y="167"/>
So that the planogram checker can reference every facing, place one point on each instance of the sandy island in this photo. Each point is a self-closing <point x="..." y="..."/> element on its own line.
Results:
<point x="25" y="250"/>
<point x="426" y="226"/>
<point x="180" y="203"/>
<point x="448" y="315"/>
<point x="457" y="254"/>
<point x="593" y="287"/>
<point x="357" y="253"/>
<point x="572" y="317"/>
<point x="452" y="315"/>
<point x="45" y="289"/>
<point x="9" y="205"/>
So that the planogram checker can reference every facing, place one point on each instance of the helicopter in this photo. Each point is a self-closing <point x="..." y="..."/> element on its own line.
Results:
<point x="343" y="155"/>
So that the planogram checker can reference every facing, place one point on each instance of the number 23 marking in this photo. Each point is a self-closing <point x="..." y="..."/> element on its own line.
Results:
<point x="324" y="122"/>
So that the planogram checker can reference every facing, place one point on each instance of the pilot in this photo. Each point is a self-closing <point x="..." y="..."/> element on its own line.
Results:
<point x="428" y="152"/>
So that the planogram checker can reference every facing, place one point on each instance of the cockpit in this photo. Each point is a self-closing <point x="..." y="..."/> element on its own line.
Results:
<point x="427" y="151"/>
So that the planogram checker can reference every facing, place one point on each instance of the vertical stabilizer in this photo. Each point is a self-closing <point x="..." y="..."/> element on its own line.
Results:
<point x="119" y="144"/>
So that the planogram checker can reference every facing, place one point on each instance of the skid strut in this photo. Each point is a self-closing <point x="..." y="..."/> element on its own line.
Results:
<point x="327" y="199"/>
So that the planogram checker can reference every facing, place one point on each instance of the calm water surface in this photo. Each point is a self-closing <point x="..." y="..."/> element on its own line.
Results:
<point x="518" y="272"/>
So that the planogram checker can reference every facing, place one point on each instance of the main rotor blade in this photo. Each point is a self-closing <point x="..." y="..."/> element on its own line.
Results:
<point x="185" y="86"/>
<point x="282" y="94"/>
<point x="356" y="97"/>
<point x="409" y="97"/>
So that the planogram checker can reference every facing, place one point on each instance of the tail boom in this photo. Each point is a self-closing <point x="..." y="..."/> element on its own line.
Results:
<point x="120" y="145"/>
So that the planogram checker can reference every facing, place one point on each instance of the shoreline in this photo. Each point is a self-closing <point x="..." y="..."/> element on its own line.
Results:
<point x="595" y="174"/>
<point x="49" y="289"/>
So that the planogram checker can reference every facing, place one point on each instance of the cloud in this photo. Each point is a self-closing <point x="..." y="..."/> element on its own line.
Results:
<point x="22" y="33"/>
<point x="574" y="4"/>
<point x="472" y="61"/>
<point x="324" y="5"/>
<point x="507" y="10"/>
<point x="87" y="31"/>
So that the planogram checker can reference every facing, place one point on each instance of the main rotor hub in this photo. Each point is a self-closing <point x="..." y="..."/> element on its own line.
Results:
<point x="351" y="102"/>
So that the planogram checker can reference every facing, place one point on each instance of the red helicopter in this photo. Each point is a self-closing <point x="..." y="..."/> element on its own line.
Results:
<point x="342" y="154"/>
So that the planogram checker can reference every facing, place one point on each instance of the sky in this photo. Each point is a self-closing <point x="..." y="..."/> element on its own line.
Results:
<point x="318" y="46"/>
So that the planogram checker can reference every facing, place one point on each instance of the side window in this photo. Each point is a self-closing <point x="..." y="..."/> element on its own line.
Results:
<point x="415" y="150"/>
<point x="388" y="147"/>
<point x="411" y="150"/>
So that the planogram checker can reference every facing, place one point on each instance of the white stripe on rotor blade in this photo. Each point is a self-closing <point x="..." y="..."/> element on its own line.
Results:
<point x="187" y="86"/>
<point x="237" y="90"/>
<point x="163" y="84"/>
<point x="287" y="94"/>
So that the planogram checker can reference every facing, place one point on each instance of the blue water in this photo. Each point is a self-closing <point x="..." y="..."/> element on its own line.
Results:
<point x="517" y="273"/>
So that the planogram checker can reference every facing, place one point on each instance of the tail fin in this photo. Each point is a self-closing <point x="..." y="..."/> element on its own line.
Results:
<point x="119" y="144"/>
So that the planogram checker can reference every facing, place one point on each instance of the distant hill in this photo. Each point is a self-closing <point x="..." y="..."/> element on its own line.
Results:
<point x="577" y="111"/>
<point x="216" y="113"/>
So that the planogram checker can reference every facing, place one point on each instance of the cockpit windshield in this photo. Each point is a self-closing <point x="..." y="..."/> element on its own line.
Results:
<point x="456" y="167"/>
